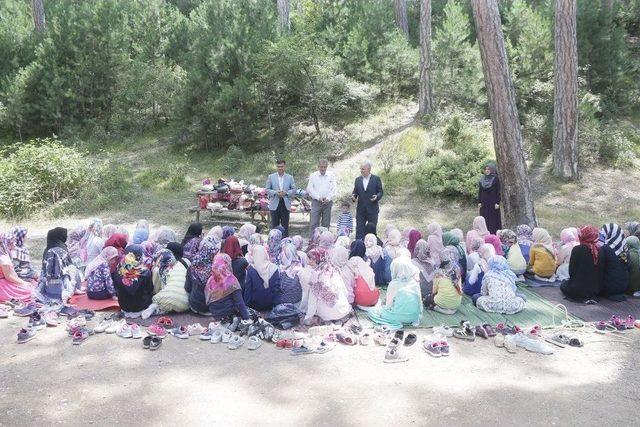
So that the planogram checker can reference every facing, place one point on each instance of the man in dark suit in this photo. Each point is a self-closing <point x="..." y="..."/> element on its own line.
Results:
<point x="368" y="191"/>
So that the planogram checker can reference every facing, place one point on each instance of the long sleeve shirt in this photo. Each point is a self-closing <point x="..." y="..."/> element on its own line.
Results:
<point x="322" y="186"/>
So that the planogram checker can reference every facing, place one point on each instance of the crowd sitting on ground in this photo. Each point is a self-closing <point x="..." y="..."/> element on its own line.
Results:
<point x="227" y="272"/>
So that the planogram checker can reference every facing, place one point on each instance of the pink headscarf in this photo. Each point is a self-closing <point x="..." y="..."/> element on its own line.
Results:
<point x="471" y="236"/>
<point x="414" y="236"/>
<point x="495" y="241"/>
<point x="326" y="240"/>
<point x="435" y="229"/>
<point x="222" y="282"/>
<point x="480" y="225"/>
<point x="569" y="235"/>
<point x="436" y="248"/>
<point x="105" y="256"/>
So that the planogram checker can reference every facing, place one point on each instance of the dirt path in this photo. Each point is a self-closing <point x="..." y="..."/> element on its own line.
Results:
<point x="109" y="380"/>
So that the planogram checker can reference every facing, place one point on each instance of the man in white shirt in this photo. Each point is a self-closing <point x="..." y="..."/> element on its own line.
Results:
<point x="322" y="190"/>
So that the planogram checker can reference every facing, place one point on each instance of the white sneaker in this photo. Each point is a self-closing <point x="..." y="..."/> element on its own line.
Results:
<point x="443" y="330"/>
<point x="216" y="336"/>
<point x="235" y="342"/>
<point x="102" y="326"/>
<point x="510" y="343"/>
<point x="111" y="329"/>
<point x="195" y="329"/>
<point x="226" y="336"/>
<point x="531" y="344"/>
<point x="135" y="331"/>
<point x="124" y="331"/>
<point x="147" y="312"/>
<point x="636" y="294"/>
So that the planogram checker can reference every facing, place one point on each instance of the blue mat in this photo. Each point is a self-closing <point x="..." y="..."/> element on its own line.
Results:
<point x="530" y="282"/>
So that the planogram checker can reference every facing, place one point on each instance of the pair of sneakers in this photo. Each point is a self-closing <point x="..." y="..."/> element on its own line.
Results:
<point x="129" y="331"/>
<point x="395" y="352"/>
<point x="36" y="321"/>
<point x="436" y="345"/>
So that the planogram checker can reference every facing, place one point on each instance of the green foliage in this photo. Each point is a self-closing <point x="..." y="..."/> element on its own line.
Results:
<point x="233" y="160"/>
<point x="39" y="173"/>
<point x="457" y="70"/>
<point x="454" y="171"/>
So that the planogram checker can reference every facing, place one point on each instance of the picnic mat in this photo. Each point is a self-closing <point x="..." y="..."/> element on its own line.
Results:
<point x="603" y="310"/>
<point x="82" y="302"/>
<point x="534" y="283"/>
<point x="539" y="311"/>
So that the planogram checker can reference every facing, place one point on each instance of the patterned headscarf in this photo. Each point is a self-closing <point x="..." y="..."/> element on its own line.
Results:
<point x="290" y="262"/>
<point x="569" y="235"/>
<point x="203" y="259"/>
<point x="19" y="233"/>
<point x="525" y="235"/>
<point x="297" y="242"/>
<point x="222" y="282"/>
<point x="614" y="237"/>
<point x="227" y="231"/>
<point x="216" y="232"/>
<point x="449" y="239"/>
<point x="273" y="243"/>
<point x="435" y="249"/>
<point x="449" y="265"/>
<point x="315" y="238"/>
<point x="508" y="237"/>
<point x="165" y="235"/>
<point x="588" y="235"/>
<point x="105" y="257"/>
<point x="109" y="230"/>
<point x="499" y="270"/>
<point x="7" y="242"/>
<point x="245" y="232"/>
<point x="327" y="239"/>
<point x="132" y="268"/>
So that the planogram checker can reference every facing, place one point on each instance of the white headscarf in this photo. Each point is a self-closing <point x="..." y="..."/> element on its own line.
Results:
<point x="261" y="263"/>
<point x="374" y="251"/>
<point x="360" y="268"/>
<point x="343" y="241"/>
<point x="480" y="225"/>
<point x="245" y="232"/>
<point x="105" y="256"/>
<point x="216" y="232"/>
<point x="393" y="247"/>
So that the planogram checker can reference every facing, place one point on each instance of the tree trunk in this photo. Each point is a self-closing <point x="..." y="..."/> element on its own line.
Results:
<point x="516" y="200"/>
<point x="425" y="95"/>
<point x="565" y="107"/>
<point x="283" y="16"/>
<point x="38" y="15"/>
<point x="401" y="16"/>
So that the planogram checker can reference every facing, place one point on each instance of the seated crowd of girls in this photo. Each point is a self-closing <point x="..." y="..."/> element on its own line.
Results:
<point x="226" y="273"/>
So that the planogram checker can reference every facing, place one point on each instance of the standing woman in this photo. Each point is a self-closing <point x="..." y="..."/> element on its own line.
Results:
<point x="489" y="198"/>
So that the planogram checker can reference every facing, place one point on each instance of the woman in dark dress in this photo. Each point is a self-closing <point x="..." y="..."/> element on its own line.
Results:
<point x="238" y="262"/>
<point x="489" y="198"/>
<point x="586" y="267"/>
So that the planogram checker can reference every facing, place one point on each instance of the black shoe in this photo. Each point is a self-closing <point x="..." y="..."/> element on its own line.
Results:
<point x="399" y="335"/>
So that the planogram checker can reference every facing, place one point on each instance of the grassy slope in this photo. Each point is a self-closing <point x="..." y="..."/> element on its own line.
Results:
<point x="160" y="181"/>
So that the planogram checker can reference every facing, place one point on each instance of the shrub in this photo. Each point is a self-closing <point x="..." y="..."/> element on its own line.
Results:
<point x="233" y="159"/>
<point x="40" y="172"/>
<point x="453" y="173"/>
<point x="615" y="149"/>
<point x="388" y="155"/>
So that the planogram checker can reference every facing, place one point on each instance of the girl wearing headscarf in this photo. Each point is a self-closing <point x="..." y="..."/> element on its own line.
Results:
<point x="173" y="297"/>
<point x="370" y="228"/>
<point x="513" y="253"/>
<point x="414" y="236"/>
<point x="404" y="300"/>
<point x="446" y="296"/>
<point x="326" y="240"/>
<point x="59" y="278"/>
<point x="569" y="240"/>
<point x="358" y="249"/>
<point x="290" y="291"/>
<point x="489" y="198"/>
<point x="216" y="232"/>
<point x="339" y="259"/>
<point x="244" y="234"/>
<point x="98" y="274"/>
<point x="164" y="235"/>
<point x="542" y="257"/>
<point x="473" y="257"/>
<point x="92" y="243"/>
<point x="191" y="240"/>
<point x="632" y="228"/>
<point x="108" y="231"/>
<point x="387" y="230"/>
<point x="199" y="273"/>
<point x="344" y="241"/>
<point x="480" y="225"/>
<point x="377" y="259"/>
<point x="227" y="231"/>
<point x="298" y="242"/>
<point x="273" y="245"/>
<point x="435" y="249"/>
<point x="140" y="235"/>
<point x="498" y="289"/>
<point x="586" y="267"/>
<point x="132" y="281"/>
<point x="633" y="253"/>
<point x="615" y="279"/>
<point x="365" y="293"/>
<point x="493" y="240"/>
<point x="73" y="244"/>
<point x="118" y="241"/>
<point x="449" y="239"/>
<point x="315" y="238"/>
<point x="460" y="235"/>
<point x="393" y="247"/>
<point x="434" y="229"/>
<point x="11" y="285"/>
<point x="525" y="240"/>
<point x="20" y="255"/>
<point x="471" y="236"/>
<point x="323" y="291"/>
<point x="404" y="240"/>
<point x="425" y="265"/>
<point x="239" y="263"/>
<point x="223" y="292"/>
<point x="473" y="282"/>
<point x="262" y="282"/>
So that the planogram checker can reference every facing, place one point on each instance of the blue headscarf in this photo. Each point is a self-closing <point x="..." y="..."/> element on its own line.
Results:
<point x="140" y="235"/>
<point x="499" y="270"/>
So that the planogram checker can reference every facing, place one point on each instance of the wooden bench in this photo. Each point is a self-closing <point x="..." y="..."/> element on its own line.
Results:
<point x="263" y="215"/>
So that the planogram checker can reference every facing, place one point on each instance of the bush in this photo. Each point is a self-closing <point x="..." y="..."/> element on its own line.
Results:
<point x="453" y="173"/>
<point x="233" y="159"/>
<point x="109" y="186"/>
<point x="615" y="149"/>
<point x="38" y="173"/>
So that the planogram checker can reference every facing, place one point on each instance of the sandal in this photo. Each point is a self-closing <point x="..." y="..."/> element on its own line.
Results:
<point x="630" y="324"/>
<point x="481" y="332"/>
<point x="617" y="323"/>
<point x="165" y="322"/>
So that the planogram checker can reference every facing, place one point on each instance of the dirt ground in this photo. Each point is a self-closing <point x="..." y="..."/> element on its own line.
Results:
<point x="112" y="381"/>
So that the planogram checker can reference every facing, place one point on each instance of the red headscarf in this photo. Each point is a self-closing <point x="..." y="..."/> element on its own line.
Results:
<point x="588" y="235"/>
<point x="414" y="236"/>
<point x="232" y="247"/>
<point x="118" y="241"/>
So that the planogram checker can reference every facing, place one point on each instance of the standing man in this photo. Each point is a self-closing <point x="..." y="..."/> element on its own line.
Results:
<point x="280" y="188"/>
<point x="322" y="190"/>
<point x="368" y="191"/>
